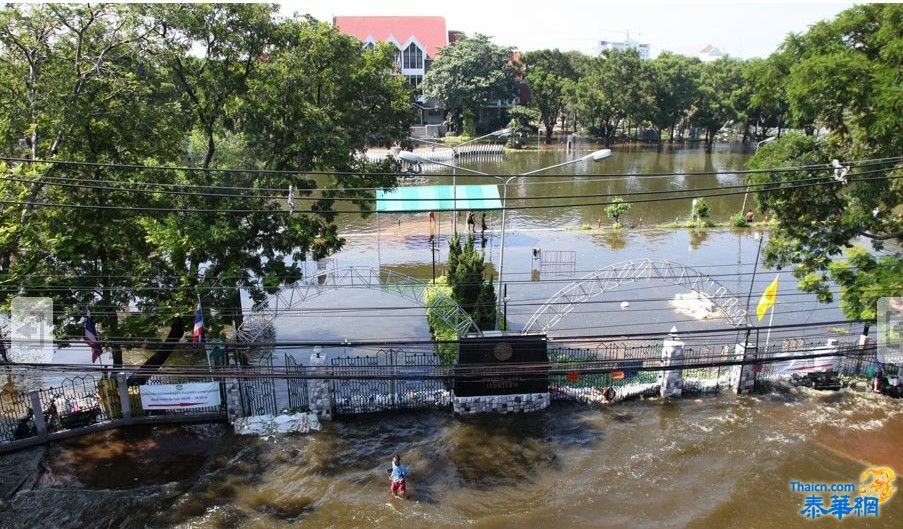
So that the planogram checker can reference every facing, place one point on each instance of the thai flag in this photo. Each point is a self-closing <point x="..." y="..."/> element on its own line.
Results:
<point x="92" y="339"/>
<point x="198" y="335"/>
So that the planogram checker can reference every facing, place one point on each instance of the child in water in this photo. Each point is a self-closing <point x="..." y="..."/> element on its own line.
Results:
<point x="398" y="474"/>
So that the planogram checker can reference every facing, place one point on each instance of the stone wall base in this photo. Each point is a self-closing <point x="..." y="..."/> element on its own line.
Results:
<point x="521" y="403"/>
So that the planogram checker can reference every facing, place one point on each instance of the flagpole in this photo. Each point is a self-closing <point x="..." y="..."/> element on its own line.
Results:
<point x="770" y="319"/>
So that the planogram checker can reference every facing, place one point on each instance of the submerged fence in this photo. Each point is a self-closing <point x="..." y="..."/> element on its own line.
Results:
<point x="401" y="379"/>
<point x="86" y="403"/>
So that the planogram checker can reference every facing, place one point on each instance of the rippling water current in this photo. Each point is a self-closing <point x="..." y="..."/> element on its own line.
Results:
<point x="713" y="462"/>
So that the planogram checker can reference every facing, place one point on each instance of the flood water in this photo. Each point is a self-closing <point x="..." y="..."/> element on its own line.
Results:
<point x="717" y="461"/>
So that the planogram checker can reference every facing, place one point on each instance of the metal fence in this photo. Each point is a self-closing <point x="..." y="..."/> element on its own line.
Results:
<point x="705" y="379"/>
<point x="625" y="377"/>
<point x="74" y="403"/>
<point x="81" y="402"/>
<point x="258" y="393"/>
<point x="16" y="416"/>
<point x="296" y="388"/>
<point x="849" y="358"/>
<point x="367" y="395"/>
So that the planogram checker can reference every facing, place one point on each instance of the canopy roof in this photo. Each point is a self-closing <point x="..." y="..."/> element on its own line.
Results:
<point x="438" y="198"/>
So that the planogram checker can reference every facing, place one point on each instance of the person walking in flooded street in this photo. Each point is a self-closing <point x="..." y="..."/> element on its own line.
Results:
<point x="398" y="474"/>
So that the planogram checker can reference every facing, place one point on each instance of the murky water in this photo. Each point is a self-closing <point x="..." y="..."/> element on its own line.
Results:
<point x="714" y="462"/>
<point x="719" y="461"/>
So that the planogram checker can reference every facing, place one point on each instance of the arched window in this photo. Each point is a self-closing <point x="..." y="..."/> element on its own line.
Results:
<point x="413" y="57"/>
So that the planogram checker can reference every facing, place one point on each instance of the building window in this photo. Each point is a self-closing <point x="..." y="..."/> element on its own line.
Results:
<point x="369" y="46"/>
<point x="413" y="57"/>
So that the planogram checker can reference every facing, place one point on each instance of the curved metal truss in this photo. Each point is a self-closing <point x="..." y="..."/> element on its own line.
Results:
<point x="613" y="276"/>
<point x="259" y="322"/>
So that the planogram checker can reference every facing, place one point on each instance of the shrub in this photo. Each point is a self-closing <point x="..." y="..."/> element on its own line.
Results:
<point x="738" y="220"/>
<point x="617" y="208"/>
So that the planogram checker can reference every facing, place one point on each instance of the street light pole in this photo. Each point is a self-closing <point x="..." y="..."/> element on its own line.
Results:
<point x="595" y="156"/>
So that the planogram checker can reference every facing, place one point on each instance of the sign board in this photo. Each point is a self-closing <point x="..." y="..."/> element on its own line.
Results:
<point x="412" y="384"/>
<point x="524" y="360"/>
<point x="180" y="396"/>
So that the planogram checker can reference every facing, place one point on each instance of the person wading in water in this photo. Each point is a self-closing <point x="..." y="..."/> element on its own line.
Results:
<point x="398" y="474"/>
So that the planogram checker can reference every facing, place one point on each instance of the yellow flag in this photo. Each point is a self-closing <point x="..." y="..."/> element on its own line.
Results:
<point x="768" y="299"/>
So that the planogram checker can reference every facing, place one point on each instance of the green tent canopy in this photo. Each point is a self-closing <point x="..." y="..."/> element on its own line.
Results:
<point x="438" y="198"/>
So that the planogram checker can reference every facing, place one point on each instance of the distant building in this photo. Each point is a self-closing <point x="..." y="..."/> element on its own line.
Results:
<point x="417" y="41"/>
<point x="627" y="44"/>
<point x="709" y="53"/>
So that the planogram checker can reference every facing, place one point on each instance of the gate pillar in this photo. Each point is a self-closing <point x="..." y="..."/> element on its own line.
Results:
<point x="672" y="354"/>
<point x="319" y="396"/>
<point x="743" y="375"/>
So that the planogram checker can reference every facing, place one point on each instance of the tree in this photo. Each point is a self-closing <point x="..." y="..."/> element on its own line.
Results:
<point x="700" y="211"/>
<point x="617" y="208"/>
<point x="471" y="289"/>
<point x="818" y="223"/>
<point x="140" y="246"/>
<point x="715" y="105"/>
<point x="522" y="125"/>
<point x="670" y="83"/>
<point x="768" y="104"/>
<point x="547" y="72"/>
<point x="608" y="92"/>
<point x="73" y="76"/>
<point x="231" y="39"/>
<point x="844" y="77"/>
<point x="468" y="74"/>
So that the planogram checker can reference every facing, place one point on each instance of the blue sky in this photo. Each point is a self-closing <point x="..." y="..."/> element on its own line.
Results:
<point x="741" y="29"/>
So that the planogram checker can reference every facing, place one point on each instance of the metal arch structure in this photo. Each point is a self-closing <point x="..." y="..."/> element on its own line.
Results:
<point x="613" y="276"/>
<point x="259" y="321"/>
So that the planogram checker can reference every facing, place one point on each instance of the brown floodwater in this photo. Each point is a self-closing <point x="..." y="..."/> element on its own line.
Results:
<point x="719" y="461"/>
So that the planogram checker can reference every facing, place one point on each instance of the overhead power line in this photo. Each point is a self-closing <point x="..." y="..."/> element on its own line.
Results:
<point x="73" y="183"/>
<point x="189" y="169"/>
<point x="280" y="211"/>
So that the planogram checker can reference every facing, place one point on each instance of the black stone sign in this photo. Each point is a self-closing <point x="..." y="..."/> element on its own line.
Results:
<point x="502" y="365"/>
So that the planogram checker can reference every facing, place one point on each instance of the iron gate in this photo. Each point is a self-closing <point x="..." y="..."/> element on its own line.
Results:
<point x="258" y="394"/>
<point x="295" y="387"/>
<point x="405" y="392"/>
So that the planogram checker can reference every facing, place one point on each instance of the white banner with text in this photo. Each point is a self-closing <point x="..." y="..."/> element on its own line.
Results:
<point x="180" y="396"/>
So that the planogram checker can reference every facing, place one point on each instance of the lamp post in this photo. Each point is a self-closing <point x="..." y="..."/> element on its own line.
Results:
<point x="501" y="133"/>
<point x="594" y="156"/>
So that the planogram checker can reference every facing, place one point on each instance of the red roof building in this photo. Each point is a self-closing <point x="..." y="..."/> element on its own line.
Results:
<point x="429" y="32"/>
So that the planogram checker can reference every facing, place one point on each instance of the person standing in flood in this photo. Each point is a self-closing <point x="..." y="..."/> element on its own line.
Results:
<point x="398" y="474"/>
<point x="471" y="222"/>
<point x="483" y="226"/>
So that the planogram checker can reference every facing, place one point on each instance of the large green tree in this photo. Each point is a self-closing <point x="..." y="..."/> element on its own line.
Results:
<point x="471" y="289"/>
<point x="470" y="73"/>
<point x="720" y="85"/>
<point x="670" y="83"/>
<point x="140" y="246"/>
<point x="845" y="79"/>
<point x="547" y="75"/>
<point x="608" y="92"/>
